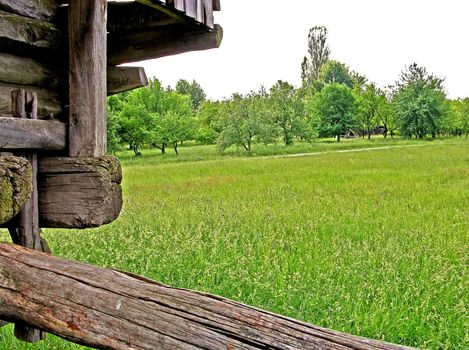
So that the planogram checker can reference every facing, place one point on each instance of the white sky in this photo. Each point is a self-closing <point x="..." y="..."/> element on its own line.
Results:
<point x="265" y="40"/>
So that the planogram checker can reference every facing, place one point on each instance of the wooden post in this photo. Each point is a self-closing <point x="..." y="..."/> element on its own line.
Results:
<point x="87" y="77"/>
<point x="24" y="228"/>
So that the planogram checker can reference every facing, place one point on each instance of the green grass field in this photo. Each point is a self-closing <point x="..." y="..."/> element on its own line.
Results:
<point x="373" y="243"/>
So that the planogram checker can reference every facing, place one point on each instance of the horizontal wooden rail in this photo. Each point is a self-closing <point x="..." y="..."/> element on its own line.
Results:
<point x="113" y="310"/>
<point x="44" y="135"/>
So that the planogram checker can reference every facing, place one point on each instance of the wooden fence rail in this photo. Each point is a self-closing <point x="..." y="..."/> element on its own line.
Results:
<point x="108" y="309"/>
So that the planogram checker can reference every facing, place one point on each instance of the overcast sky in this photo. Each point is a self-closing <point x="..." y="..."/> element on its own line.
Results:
<point x="265" y="40"/>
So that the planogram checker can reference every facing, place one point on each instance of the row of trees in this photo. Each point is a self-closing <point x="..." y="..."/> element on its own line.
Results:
<point x="333" y="101"/>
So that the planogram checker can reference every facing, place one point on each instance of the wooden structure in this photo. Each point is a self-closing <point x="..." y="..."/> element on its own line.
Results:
<point x="58" y="62"/>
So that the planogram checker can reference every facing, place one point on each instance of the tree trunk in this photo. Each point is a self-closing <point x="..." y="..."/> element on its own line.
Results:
<point x="338" y="138"/>
<point x="175" y="146"/>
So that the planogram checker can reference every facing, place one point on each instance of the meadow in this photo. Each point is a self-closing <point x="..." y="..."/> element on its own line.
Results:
<point x="372" y="243"/>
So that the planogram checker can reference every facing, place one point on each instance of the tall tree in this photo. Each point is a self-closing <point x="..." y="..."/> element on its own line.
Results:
<point x="318" y="54"/>
<point x="335" y="107"/>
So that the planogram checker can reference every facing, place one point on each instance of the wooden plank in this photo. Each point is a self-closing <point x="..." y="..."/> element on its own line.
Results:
<point x="27" y="71"/>
<point x="39" y="9"/>
<point x="79" y="192"/>
<point x="24" y="228"/>
<point x="216" y="5"/>
<point x="124" y="50"/>
<point x="32" y="73"/>
<point x="87" y="77"/>
<point x="15" y="186"/>
<point x="125" y="17"/>
<point x="190" y="8"/>
<point x="45" y="135"/>
<point x="49" y="103"/>
<point x="113" y="310"/>
<point x="121" y="79"/>
<point x="29" y="37"/>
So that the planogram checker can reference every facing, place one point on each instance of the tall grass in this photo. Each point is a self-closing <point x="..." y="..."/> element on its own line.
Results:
<point x="371" y="243"/>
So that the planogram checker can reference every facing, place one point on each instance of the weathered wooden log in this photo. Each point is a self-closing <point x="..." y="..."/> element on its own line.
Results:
<point x="23" y="71"/>
<point x="79" y="192"/>
<point x="87" y="77"/>
<point x="45" y="135"/>
<point x="15" y="186"/>
<point x="155" y="44"/>
<point x="121" y="79"/>
<point x="114" y="310"/>
<point x="49" y="101"/>
<point x="39" y="9"/>
<point x="29" y="37"/>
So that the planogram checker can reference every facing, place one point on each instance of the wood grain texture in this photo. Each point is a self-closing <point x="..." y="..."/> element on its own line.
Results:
<point x="79" y="192"/>
<point x="113" y="310"/>
<point x="29" y="37"/>
<point x="40" y="9"/>
<point x="31" y="73"/>
<point x="87" y="77"/>
<point x="27" y="71"/>
<point x="15" y="186"/>
<point x="120" y="79"/>
<point x="154" y="45"/>
<point x="45" y="135"/>
<point x="49" y="101"/>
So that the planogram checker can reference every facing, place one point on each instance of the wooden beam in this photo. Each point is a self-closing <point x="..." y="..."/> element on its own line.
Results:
<point x="124" y="50"/>
<point x="79" y="192"/>
<point x="216" y="5"/>
<point x="29" y="37"/>
<point x="49" y="102"/>
<point x="108" y="309"/>
<point x="120" y="79"/>
<point x="27" y="71"/>
<point x="15" y="186"/>
<point x="44" y="135"/>
<point x="32" y="73"/>
<point x="87" y="77"/>
<point x="39" y="9"/>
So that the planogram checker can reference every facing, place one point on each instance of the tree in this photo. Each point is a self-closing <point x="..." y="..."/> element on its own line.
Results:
<point x="369" y="102"/>
<point x="287" y="110"/>
<point x="240" y="124"/>
<point x="209" y="121"/>
<point x="385" y="114"/>
<point x="318" y="52"/>
<point x="335" y="108"/>
<point x="335" y="72"/>
<point x="193" y="90"/>
<point x="420" y="102"/>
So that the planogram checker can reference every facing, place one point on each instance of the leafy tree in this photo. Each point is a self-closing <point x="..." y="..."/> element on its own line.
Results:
<point x="457" y="120"/>
<point x="194" y="90"/>
<point x="386" y="116"/>
<point x="209" y="121"/>
<point x="335" y="107"/>
<point x="240" y="124"/>
<point x="369" y="104"/>
<point x="420" y="102"/>
<point x="318" y="55"/>
<point x="336" y="72"/>
<point x="287" y="108"/>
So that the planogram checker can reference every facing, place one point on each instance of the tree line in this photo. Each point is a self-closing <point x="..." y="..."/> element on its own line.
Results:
<point x="333" y="101"/>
